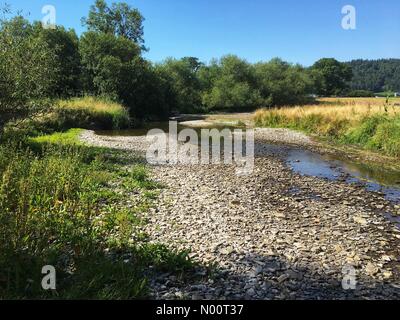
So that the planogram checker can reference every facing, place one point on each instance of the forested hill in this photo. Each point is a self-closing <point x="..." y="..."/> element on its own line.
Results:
<point x="376" y="75"/>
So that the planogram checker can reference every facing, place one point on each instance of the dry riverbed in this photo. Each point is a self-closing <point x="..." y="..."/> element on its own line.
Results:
<point x="273" y="234"/>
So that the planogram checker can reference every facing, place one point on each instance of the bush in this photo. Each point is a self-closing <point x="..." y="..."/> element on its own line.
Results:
<point x="367" y="129"/>
<point x="27" y="72"/>
<point x="360" y="94"/>
<point x="387" y="138"/>
<point x="377" y="132"/>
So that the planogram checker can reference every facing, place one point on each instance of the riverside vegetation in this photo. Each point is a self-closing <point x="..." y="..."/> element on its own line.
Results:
<point x="76" y="208"/>
<point x="369" y="123"/>
<point x="86" y="113"/>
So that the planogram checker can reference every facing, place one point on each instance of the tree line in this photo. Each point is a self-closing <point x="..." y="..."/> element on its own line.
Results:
<point x="376" y="75"/>
<point x="39" y="63"/>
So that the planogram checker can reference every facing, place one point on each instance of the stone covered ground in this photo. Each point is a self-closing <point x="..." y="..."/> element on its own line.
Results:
<point x="273" y="234"/>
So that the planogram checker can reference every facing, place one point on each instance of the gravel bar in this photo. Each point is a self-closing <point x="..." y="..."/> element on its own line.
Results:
<point x="273" y="234"/>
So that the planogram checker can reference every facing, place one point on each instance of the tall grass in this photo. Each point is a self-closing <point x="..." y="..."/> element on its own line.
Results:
<point x="91" y="112"/>
<point x="86" y="113"/>
<point x="370" y="123"/>
<point x="64" y="206"/>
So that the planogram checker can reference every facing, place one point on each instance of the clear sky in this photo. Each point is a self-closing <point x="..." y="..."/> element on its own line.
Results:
<point x="296" y="30"/>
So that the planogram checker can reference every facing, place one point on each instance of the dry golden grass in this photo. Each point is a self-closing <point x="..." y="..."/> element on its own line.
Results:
<point x="93" y="105"/>
<point x="91" y="112"/>
<point x="372" y="123"/>
<point x="337" y="109"/>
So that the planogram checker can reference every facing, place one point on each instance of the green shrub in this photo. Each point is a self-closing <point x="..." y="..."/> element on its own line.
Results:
<point x="379" y="132"/>
<point x="362" y="133"/>
<point x="386" y="138"/>
<point x="360" y="94"/>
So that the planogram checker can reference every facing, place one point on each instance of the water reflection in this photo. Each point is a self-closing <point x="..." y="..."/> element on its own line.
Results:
<point x="334" y="168"/>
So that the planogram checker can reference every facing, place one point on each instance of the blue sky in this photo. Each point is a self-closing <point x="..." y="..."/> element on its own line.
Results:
<point x="300" y="31"/>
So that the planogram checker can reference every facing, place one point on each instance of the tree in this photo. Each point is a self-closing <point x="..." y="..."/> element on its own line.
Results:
<point x="183" y="83"/>
<point x="331" y="77"/>
<point x="104" y="59"/>
<point x="120" y="19"/>
<point x="376" y="75"/>
<point x="281" y="83"/>
<point x="65" y="45"/>
<point x="113" y="67"/>
<point x="27" y="68"/>
<point x="231" y="84"/>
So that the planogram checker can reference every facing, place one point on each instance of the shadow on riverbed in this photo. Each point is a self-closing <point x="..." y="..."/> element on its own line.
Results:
<point x="275" y="278"/>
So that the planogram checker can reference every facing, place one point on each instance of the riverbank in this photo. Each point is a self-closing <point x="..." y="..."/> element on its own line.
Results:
<point x="79" y="209"/>
<point x="369" y="127"/>
<point x="272" y="235"/>
<point x="310" y="142"/>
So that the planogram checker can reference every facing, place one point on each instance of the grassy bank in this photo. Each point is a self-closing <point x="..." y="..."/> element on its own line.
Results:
<point x="92" y="112"/>
<point x="369" y="123"/>
<point x="87" y="113"/>
<point x="79" y="209"/>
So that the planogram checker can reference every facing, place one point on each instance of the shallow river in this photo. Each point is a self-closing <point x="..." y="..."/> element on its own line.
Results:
<point x="311" y="163"/>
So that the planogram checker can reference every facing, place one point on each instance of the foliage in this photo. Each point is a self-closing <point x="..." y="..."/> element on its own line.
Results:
<point x="360" y="93"/>
<point x="27" y="68"/>
<point x="331" y="76"/>
<point x="120" y="19"/>
<point x="281" y="83"/>
<point x="106" y="60"/>
<point x="65" y="45"/>
<point x="182" y="82"/>
<point x="62" y="45"/>
<point x="376" y="75"/>
<point x="231" y="84"/>
<point x="114" y="68"/>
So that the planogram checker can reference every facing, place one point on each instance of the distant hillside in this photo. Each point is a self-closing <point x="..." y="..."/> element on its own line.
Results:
<point x="376" y="75"/>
